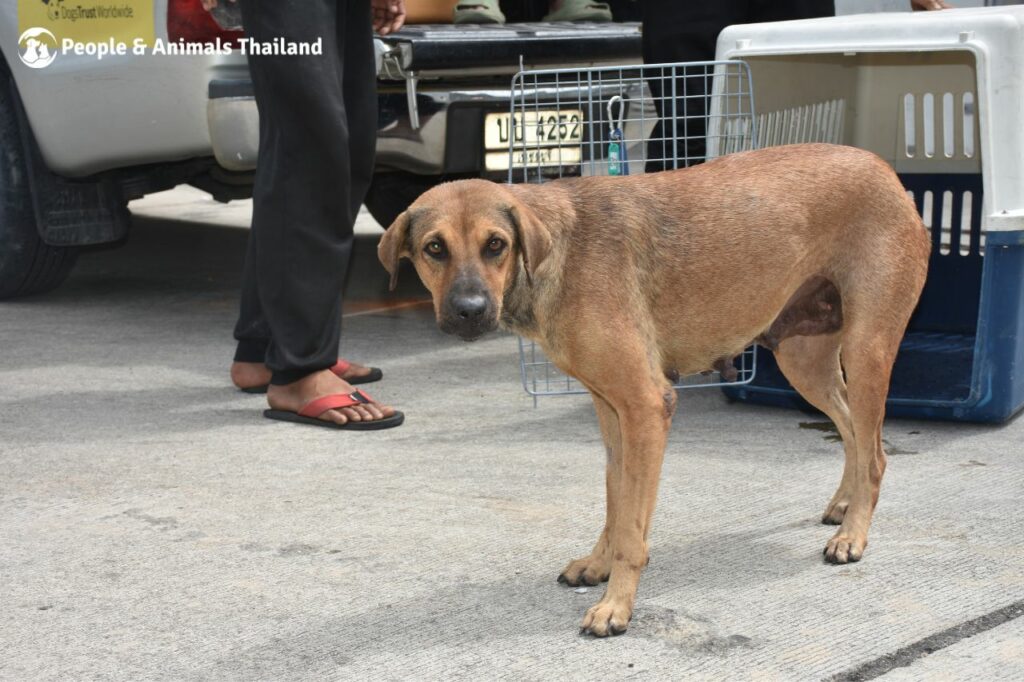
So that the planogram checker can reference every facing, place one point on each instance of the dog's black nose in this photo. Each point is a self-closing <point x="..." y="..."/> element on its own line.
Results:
<point x="470" y="308"/>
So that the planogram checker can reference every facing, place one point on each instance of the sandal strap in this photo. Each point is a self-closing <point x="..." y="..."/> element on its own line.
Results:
<point x="341" y="366"/>
<point x="315" y="408"/>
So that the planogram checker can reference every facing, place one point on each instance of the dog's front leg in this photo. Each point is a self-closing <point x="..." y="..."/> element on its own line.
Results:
<point x="595" y="568"/>
<point x="644" y="417"/>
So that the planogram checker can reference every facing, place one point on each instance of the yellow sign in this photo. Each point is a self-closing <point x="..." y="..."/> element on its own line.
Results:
<point x="90" y="21"/>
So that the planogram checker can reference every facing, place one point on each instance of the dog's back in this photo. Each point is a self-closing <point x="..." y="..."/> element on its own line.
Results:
<point x="714" y="253"/>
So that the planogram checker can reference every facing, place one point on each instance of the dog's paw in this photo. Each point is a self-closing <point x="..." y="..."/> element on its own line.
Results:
<point x="835" y="512"/>
<point x="590" y="570"/>
<point x="606" y="617"/>
<point x="845" y="548"/>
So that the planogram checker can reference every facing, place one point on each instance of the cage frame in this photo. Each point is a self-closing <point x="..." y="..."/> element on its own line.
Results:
<point x="717" y="138"/>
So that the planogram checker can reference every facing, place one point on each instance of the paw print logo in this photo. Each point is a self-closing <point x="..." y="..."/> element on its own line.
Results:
<point x="37" y="48"/>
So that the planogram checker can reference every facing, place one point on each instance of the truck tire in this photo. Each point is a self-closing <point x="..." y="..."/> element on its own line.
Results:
<point x="392" y="192"/>
<point x="27" y="264"/>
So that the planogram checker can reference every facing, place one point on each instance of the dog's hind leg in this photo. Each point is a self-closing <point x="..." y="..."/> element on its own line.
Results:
<point x="595" y="568"/>
<point x="868" y="355"/>
<point x="812" y="366"/>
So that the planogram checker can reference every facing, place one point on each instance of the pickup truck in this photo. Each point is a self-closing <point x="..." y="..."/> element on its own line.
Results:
<point x="85" y="135"/>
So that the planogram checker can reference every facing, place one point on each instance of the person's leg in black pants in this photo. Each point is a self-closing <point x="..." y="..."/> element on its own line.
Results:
<point x="317" y="135"/>
<point x="675" y="31"/>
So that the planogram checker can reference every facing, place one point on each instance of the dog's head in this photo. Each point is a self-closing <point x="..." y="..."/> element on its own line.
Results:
<point x="469" y="241"/>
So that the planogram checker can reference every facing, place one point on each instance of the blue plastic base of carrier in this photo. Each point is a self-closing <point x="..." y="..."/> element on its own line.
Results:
<point x="962" y="358"/>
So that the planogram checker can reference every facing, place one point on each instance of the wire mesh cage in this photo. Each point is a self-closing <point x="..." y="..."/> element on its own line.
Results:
<point x="541" y="378"/>
<point x="625" y="120"/>
<point x="622" y="120"/>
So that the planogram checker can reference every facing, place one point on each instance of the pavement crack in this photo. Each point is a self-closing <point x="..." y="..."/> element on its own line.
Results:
<point x="905" y="656"/>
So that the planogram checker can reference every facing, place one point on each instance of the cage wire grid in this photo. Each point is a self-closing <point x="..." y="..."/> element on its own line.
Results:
<point x="622" y="120"/>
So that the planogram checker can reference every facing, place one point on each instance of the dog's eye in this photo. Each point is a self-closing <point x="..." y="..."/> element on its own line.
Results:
<point x="495" y="246"/>
<point x="435" y="248"/>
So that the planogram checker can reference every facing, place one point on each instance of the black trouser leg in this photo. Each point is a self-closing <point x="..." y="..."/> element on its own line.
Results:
<point x="311" y="178"/>
<point x="251" y="330"/>
<point x="360" y="93"/>
<point x="684" y="31"/>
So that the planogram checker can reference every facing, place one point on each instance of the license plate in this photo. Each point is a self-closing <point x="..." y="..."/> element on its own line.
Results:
<point x="546" y="137"/>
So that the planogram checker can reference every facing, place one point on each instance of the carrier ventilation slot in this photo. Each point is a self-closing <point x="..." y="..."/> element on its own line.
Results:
<point x="736" y="136"/>
<point x="932" y="125"/>
<point x="820" y="122"/>
<point x="952" y="218"/>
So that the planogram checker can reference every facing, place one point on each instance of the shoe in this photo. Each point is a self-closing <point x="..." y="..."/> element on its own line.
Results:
<point x="478" y="12"/>
<point x="580" y="10"/>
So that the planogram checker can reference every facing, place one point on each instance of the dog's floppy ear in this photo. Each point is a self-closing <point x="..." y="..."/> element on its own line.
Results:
<point x="393" y="246"/>
<point x="533" y="238"/>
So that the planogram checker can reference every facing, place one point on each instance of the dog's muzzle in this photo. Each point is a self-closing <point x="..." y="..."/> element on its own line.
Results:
<point x="468" y="311"/>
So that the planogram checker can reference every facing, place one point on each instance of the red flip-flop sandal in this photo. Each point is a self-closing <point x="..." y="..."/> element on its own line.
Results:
<point x="313" y="409"/>
<point x="340" y="367"/>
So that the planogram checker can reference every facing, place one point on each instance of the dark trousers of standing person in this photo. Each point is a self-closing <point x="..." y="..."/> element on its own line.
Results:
<point x="685" y="31"/>
<point x="318" y="123"/>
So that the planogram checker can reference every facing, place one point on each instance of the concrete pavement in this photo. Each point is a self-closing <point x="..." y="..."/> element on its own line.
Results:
<point x="154" y="526"/>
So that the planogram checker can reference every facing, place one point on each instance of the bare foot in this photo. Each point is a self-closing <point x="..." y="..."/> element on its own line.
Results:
<point x="293" y="397"/>
<point x="253" y="374"/>
<point x="249" y="374"/>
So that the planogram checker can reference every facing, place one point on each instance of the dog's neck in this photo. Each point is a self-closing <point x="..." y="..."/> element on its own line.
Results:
<point x="517" y="305"/>
<point x="552" y="204"/>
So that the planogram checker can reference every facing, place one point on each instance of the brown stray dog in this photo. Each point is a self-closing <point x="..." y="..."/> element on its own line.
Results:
<point x="814" y="251"/>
